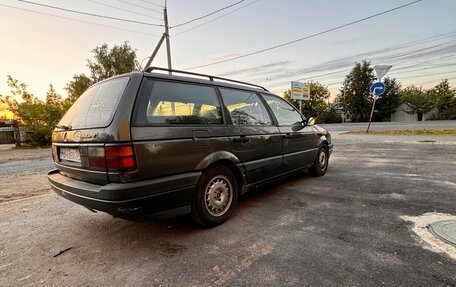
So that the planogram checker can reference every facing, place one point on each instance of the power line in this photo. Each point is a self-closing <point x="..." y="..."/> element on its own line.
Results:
<point x="154" y="4"/>
<point x="340" y="64"/>
<point x="215" y="19"/>
<point x="77" y="20"/>
<point x="139" y="6"/>
<point x="307" y="37"/>
<point x="207" y="15"/>
<point x="122" y="9"/>
<point x="89" y="14"/>
<point x="392" y="76"/>
<point x="427" y="75"/>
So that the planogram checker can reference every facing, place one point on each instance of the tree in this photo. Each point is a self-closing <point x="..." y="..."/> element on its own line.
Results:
<point x="75" y="88"/>
<point x="389" y="101"/>
<point x="317" y="105"/>
<point x="54" y="108"/>
<point x="332" y="115"/>
<point x="39" y="117"/>
<point x="443" y="98"/>
<point x="357" y="100"/>
<point x="111" y="62"/>
<point x="417" y="101"/>
<point x="107" y="63"/>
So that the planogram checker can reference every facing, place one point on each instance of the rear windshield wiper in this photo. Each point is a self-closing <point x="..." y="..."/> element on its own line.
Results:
<point x="64" y="127"/>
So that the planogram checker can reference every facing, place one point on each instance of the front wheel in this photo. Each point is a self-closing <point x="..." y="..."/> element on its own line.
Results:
<point x="215" y="196"/>
<point x="320" y="165"/>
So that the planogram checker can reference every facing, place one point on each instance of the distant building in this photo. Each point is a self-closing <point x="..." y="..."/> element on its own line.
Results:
<point x="339" y="109"/>
<point x="8" y="131"/>
<point x="402" y="115"/>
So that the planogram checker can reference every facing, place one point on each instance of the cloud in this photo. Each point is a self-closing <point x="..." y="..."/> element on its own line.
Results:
<point x="258" y="70"/>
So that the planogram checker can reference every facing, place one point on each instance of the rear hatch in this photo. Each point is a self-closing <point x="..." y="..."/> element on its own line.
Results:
<point x="86" y="141"/>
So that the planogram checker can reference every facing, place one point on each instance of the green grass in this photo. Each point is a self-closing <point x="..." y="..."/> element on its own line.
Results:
<point x="407" y="132"/>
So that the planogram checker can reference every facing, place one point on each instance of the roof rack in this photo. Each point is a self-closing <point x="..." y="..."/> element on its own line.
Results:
<point x="211" y="78"/>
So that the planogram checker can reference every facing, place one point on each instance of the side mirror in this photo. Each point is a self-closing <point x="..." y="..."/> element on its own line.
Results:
<point x="297" y="126"/>
<point x="310" y="121"/>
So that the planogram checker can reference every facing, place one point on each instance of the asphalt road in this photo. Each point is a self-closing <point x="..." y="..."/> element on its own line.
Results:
<point x="343" y="229"/>
<point x="346" y="127"/>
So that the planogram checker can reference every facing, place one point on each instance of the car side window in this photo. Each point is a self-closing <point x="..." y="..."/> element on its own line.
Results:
<point x="179" y="103"/>
<point x="245" y="108"/>
<point x="285" y="113"/>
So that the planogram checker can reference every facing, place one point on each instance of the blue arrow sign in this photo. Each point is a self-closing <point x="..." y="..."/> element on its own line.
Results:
<point x="377" y="89"/>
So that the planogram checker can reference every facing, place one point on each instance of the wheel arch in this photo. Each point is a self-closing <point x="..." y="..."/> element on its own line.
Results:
<point x="323" y="140"/>
<point x="227" y="159"/>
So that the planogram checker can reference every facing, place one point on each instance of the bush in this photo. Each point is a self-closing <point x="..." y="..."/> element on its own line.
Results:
<point x="331" y="116"/>
<point x="36" y="116"/>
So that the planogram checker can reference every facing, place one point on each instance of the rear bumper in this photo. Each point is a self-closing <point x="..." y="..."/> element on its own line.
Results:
<point x="146" y="196"/>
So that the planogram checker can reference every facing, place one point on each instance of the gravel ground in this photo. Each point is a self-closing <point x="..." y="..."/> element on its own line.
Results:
<point x="352" y="227"/>
<point x="23" y="172"/>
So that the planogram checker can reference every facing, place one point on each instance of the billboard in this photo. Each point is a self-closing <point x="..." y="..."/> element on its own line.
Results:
<point x="299" y="91"/>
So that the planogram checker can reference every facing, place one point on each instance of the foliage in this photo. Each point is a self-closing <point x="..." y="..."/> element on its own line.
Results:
<point x="332" y="116"/>
<point x="75" y="88"/>
<point x="111" y="62"/>
<point x="317" y="105"/>
<point x="442" y="98"/>
<point x="389" y="101"/>
<point x="107" y="63"/>
<point x="39" y="117"/>
<point x="357" y="99"/>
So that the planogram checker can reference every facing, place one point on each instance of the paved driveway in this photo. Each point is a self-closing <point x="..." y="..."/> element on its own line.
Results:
<point x="345" y="228"/>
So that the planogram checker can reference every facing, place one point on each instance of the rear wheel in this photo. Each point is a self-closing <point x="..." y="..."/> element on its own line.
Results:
<point x="320" y="165"/>
<point x="215" y="196"/>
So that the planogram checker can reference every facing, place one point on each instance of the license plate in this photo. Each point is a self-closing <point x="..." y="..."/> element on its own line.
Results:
<point x="70" y="154"/>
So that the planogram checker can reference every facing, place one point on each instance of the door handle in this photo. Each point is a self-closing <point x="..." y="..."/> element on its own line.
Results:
<point x="286" y="136"/>
<point x="201" y="138"/>
<point x="241" y="139"/>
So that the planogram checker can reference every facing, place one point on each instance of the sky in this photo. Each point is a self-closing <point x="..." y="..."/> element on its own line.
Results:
<point x="42" y="46"/>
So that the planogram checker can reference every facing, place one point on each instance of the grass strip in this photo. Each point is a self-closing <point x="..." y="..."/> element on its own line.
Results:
<point x="410" y="132"/>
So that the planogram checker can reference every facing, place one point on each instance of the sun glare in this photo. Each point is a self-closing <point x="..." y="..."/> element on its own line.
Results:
<point x="4" y="113"/>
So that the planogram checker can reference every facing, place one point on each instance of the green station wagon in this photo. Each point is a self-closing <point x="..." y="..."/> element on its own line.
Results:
<point x="152" y="142"/>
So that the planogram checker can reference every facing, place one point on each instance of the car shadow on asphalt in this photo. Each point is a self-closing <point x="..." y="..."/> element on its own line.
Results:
<point x="163" y="228"/>
<point x="256" y="194"/>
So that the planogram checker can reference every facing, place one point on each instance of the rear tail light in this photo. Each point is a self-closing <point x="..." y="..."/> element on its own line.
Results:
<point x="120" y="157"/>
<point x="112" y="158"/>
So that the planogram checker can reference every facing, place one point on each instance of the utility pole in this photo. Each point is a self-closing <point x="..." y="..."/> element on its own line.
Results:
<point x="164" y="37"/>
<point x="168" y="47"/>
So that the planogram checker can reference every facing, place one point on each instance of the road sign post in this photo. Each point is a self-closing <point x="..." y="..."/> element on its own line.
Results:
<point x="300" y="92"/>
<point x="377" y="89"/>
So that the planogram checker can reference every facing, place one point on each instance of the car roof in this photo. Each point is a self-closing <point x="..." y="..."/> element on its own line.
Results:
<point x="201" y="78"/>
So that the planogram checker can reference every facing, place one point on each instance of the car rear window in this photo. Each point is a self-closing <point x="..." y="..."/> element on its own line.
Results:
<point x="174" y="103"/>
<point x="96" y="106"/>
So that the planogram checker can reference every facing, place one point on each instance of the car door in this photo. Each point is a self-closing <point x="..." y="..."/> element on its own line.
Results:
<point x="176" y="125"/>
<point x="298" y="147"/>
<point x="254" y="138"/>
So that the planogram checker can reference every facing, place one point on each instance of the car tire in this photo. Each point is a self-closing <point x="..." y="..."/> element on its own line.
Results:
<point x="320" y="166"/>
<point x="215" y="196"/>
